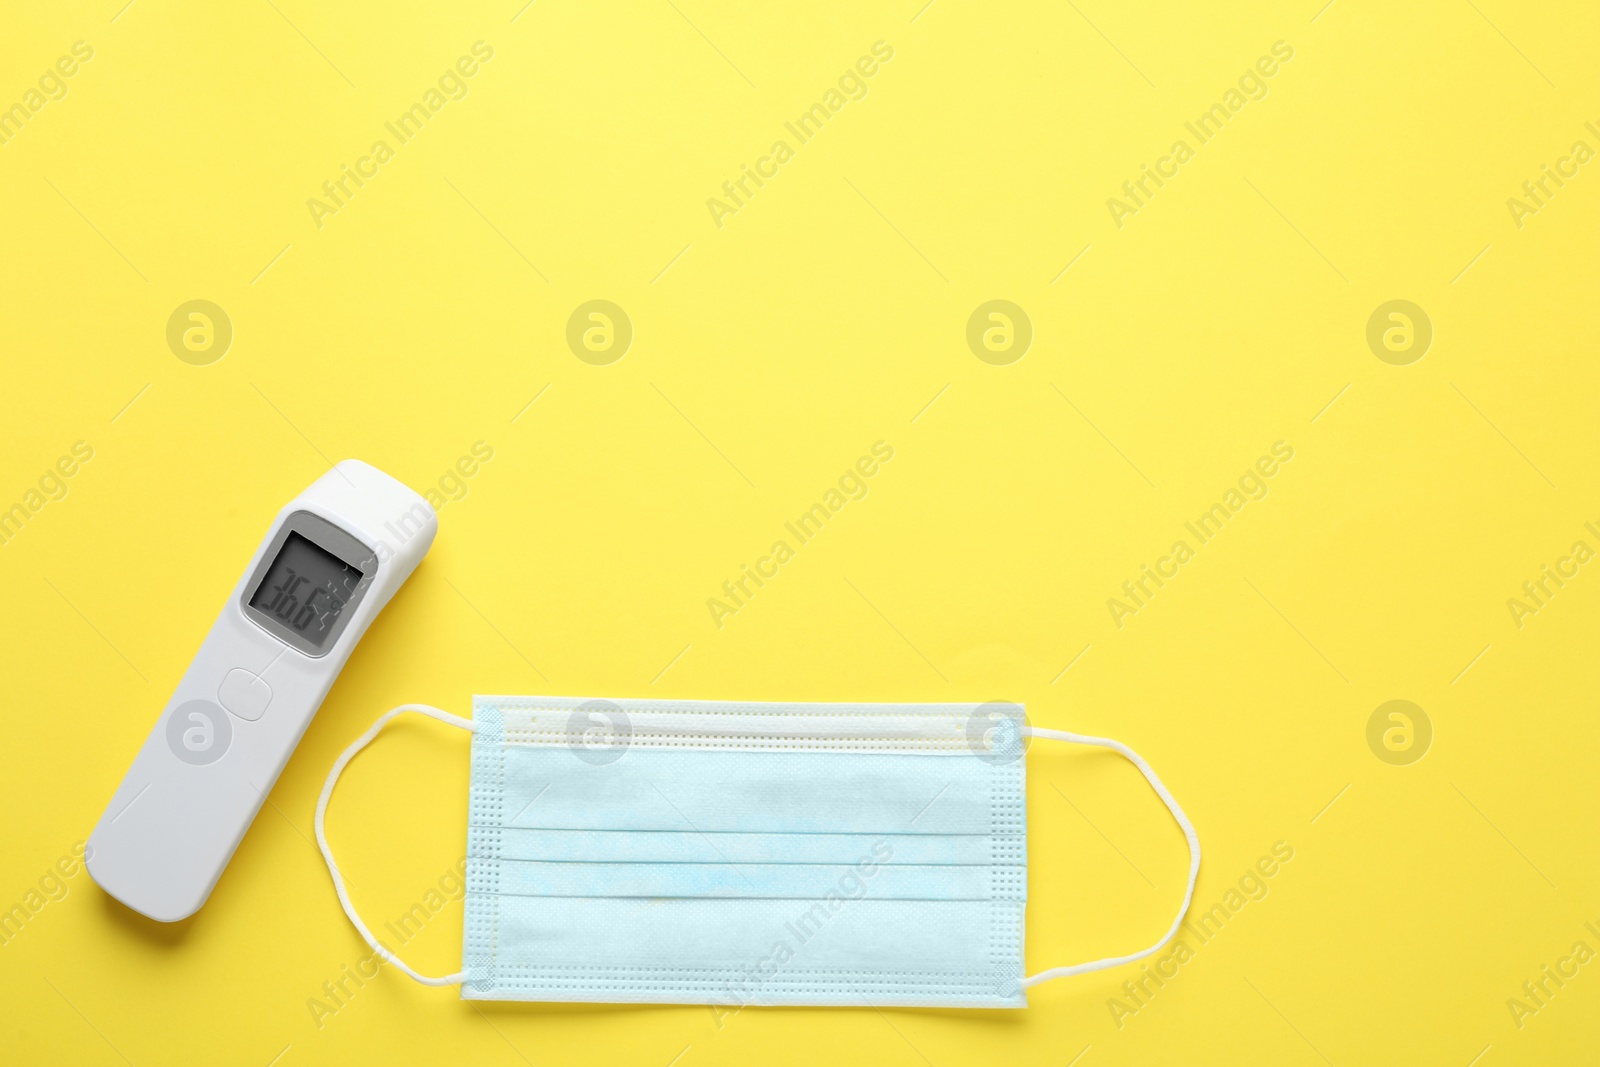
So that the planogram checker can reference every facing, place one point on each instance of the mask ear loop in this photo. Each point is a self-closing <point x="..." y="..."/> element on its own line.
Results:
<point x="1177" y="814"/>
<point x="322" y="838"/>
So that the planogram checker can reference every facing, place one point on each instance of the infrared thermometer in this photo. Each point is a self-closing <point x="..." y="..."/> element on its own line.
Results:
<point x="330" y="562"/>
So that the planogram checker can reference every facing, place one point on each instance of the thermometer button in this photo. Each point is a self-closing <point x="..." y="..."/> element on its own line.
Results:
<point x="244" y="693"/>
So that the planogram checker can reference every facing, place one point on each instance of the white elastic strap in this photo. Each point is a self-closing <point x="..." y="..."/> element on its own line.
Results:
<point x="1183" y="823"/>
<point x="322" y="838"/>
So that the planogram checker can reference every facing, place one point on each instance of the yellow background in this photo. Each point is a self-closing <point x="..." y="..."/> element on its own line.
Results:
<point x="769" y="354"/>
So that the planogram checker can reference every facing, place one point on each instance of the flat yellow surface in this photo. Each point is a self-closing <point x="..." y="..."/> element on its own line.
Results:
<point x="1174" y="339"/>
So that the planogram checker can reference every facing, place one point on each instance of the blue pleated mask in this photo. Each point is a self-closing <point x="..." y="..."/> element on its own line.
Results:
<point x="735" y="854"/>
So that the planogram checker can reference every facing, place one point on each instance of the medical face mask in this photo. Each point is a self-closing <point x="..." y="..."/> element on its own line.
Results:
<point x="694" y="852"/>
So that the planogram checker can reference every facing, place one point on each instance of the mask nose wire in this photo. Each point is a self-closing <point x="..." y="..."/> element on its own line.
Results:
<point x="1183" y="823"/>
<point x="322" y="838"/>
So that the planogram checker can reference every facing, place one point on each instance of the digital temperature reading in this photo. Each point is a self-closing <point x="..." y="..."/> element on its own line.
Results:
<point x="306" y="588"/>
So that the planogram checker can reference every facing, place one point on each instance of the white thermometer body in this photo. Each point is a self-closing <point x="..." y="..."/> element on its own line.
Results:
<point x="331" y="561"/>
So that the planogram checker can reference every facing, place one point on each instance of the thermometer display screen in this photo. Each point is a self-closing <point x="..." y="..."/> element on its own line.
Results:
<point x="306" y="588"/>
